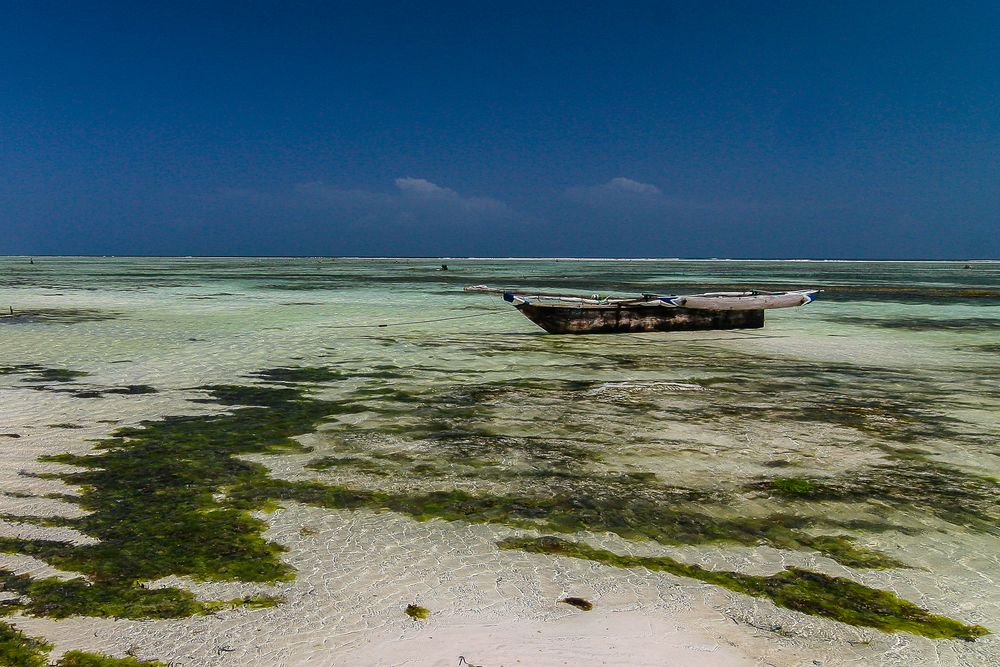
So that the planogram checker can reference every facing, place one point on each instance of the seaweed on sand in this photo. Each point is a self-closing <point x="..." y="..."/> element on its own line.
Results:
<point x="174" y="497"/>
<point x="151" y="492"/>
<point x="632" y="518"/>
<point x="83" y="659"/>
<point x="156" y="501"/>
<point x="790" y="486"/>
<point x="353" y="462"/>
<point x="39" y="373"/>
<point x="57" y="316"/>
<point x="297" y="374"/>
<point x="914" y="482"/>
<point x="794" y="588"/>
<point x="920" y="323"/>
<point x="59" y="598"/>
<point x="417" y="612"/>
<point x="131" y="390"/>
<point x="20" y="650"/>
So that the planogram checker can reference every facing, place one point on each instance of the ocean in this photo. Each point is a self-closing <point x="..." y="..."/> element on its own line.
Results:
<point x="195" y="424"/>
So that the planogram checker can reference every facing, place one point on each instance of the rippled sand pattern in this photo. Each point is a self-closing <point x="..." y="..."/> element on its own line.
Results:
<point x="853" y="438"/>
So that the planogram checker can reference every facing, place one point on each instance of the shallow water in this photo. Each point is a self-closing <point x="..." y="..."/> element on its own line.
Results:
<point x="873" y="413"/>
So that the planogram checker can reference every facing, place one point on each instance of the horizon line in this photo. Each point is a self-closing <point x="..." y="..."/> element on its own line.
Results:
<point x="513" y="258"/>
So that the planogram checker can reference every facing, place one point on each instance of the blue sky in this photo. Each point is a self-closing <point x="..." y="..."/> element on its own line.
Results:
<point x="700" y="129"/>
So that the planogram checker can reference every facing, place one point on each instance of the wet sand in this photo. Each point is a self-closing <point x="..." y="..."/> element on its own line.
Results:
<point x="489" y="407"/>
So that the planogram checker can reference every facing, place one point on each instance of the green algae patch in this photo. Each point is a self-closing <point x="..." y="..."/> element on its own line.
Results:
<point x="38" y="373"/>
<point x="417" y="612"/>
<point x="353" y="462"/>
<point x="843" y="549"/>
<point x="252" y="395"/>
<point x="83" y="659"/>
<point x="258" y="601"/>
<point x="799" y="589"/>
<point x="297" y="374"/>
<point x="246" y="602"/>
<point x="789" y="486"/>
<point x="896" y="419"/>
<point x="976" y="324"/>
<point x="157" y="501"/>
<point x="910" y="481"/>
<point x="131" y="390"/>
<point x="173" y="496"/>
<point x="838" y="395"/>
<point x="57" y="375"/>
<point x="57" y="316"/>
<point x="59" y="598"/>
<point x="151" y="494"/>
<point x="608" y="507"/>
<point x="19" y="650"/>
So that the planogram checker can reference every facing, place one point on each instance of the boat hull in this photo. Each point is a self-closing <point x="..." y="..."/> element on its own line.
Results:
<point x="561" y="319"/>
<point x="743" y="301"/>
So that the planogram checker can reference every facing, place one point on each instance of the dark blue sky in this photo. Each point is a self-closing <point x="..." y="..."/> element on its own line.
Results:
<point x="701" y="129"/>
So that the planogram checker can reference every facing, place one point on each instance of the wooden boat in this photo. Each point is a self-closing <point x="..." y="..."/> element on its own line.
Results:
<point x="576" y="314"/>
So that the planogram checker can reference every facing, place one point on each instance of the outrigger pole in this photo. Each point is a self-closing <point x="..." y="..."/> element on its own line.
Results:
<point x="578" y="298"/>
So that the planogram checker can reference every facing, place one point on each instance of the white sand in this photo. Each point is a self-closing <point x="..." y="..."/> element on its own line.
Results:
<point x="360" y="570"/>
<point x="357" y="571"/>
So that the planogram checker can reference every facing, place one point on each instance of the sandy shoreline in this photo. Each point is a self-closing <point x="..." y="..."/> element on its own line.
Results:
<point x="529" y="423"/>
<point x="357" y="571"/>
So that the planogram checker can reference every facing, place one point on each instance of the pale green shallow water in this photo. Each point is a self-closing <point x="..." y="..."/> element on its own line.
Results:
<point x="895" y="368"/>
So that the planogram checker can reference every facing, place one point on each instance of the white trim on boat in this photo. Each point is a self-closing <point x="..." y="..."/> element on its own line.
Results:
<point x="752" y="300"/>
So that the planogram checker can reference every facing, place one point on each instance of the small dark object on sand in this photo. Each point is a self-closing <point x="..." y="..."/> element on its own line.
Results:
<point x="579" y="603"/>
<point x="417" y="612"/>
<point x="132" y="389"/>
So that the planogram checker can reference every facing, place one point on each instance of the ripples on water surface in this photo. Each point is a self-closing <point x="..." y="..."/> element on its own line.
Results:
<point x="856" y="436"/>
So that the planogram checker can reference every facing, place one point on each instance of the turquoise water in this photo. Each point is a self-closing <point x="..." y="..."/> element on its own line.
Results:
<point x="873" y="413"/>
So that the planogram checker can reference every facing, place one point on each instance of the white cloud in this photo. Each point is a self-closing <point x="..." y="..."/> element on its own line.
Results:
<point x="619" y="191"/>
<point x="622" y="184"/>
<point x="415" y="201"/>
<point x="421" y="186"/>
<point x="423" y="193"/>
<point x="625" y="196"/>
